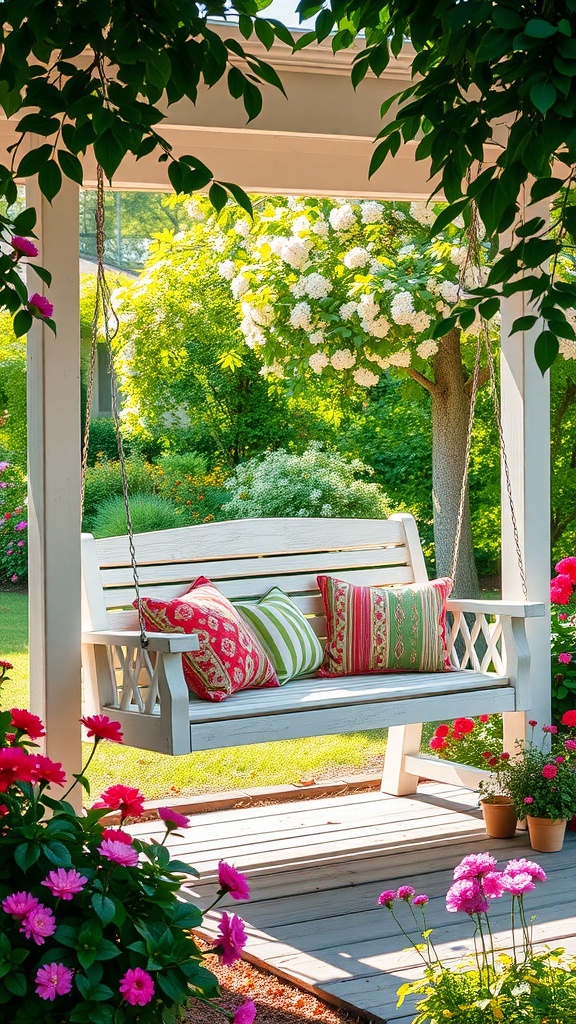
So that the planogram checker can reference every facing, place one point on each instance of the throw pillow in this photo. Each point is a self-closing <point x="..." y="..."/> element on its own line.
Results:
<point x="384" y="629"/>
<point x="285" y="634"/>
<point x="230" y="656"/>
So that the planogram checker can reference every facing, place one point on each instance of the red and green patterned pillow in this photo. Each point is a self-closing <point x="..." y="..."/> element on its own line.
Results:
<point x="230" y="657"/>
<point x="384" y="629"/>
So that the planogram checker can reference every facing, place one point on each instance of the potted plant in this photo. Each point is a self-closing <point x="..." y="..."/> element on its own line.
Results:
<point x="498" y="809"/>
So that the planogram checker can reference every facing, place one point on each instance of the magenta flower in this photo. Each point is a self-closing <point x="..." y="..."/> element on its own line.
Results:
<point x="23" y="246"/>
<point x="420" y="901"/>
<point x="38" y="924"/>
<point x="559" y="759"/>
<point x="386" y="898"/>
<point x="553" y="729"/>
<point x="521" y="865"/>
<point x="118" y="852"/>
<point x="465" y="896"/>
<point x="567" y="567"/>
<point x="172" y="819"/>
<point x="492" y="885"/>
<point x="64" y="884"/>
<point x="474" y="865"/>
<point x="570" y="745"/>
<point x="561" y="589"/>
<point x="246" y="1013"/>
<point x="21" y="525"/>
<point x="549" y="771"/>
<point x="40" y="307"/>
<point x="137" y="987"/>
<point x="232" y="881"/>
<point x="3" y="466"/>
<point x="528" y="799"/>
<point x="117" y="835"/>
<point x="53" y="980"/>
<point x="518" y="883"/>
<point x="233" y="938"/>
<point x="564" y="658"/>
<point x="19" y="904"/>
<point x="405" y="892"/>
<point x="102" y="728"/>
<point x="532" y="722"/>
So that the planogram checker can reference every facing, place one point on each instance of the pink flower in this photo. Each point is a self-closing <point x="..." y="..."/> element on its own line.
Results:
<point x="405" y="892"/>
<point x="559" y="759"/>
<point x="53" y="980"/>
<point x="561" y="589"/>
<point x="570" y="745"/>
<point x="549" y="771"/>
<point x="518" y="884"/>
<point x="492" y="885"/>
<point x="552" y="729"/>
<point x="119" y="853"/>
<point x="137" y="987"/>
<point x="569" y="718"/>
<point x="562" y="616"/>
<point x="19" y="904"/>
<point x="386" y="898"/>
<point x="564" y="658"/>
<point x="102" y="728"/>
<point x="232" y="881"/>
<point x="117" y="836"/>
<point x="21" y="526"/>
<point x="27" y="722"/>
<point x="15" y="766"/>
<point x="40" y="307"/>
<point x="475" y="865"/>
<point x="420" y="901"/>
<point x="567" y="567"/>
<point x="64" y="884"/>
<point x="233" y="938"/>
<point x="38" y="924"/>
<point x="532" y="722"/>
<point x="46" y="770"/>
<point x="437" y="743"/>
<point x="464" y="725"/>
<point x="172" y="819"/>
<point x="521" y="865"/>
<point x="483" y="718"/>
<point x="466" y="896"/>
<point x="126" y="799"/>
<point x="23" y="246"/>
<point x="246" y="1013"/>
<point x="528" y="799"/>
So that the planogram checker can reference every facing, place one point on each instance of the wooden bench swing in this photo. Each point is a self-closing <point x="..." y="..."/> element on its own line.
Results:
<point x="143" y="687"/>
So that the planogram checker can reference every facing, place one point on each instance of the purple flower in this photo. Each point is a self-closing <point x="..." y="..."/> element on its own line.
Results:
<point x="53" y="980"/>
<point x="528" y="799"/>
<point x="172" y="819"/>
<point x="475" y="865"/>
<point x="23" y="246"/>
<point x="38" y="924"/>
<point x="492" y="885"/>
<point x="3" y="466"/>
<point x="137" y="987"/>
<point x="405" y="892"/>
<point x="233" y="938"/>
<point x="465" y="896"/>
<point x="521" y="866"/>
<point x="518" y="884"/>
<point x="246" y="1013"/>
<point x="232" y="881"/>
<point x="18" y="904"/>
<point x="386" y="898"/>
<point x="553" y="729"/>
<point x="21" y="526"/>
<point x="119" y="853"/>
<point x="65" y="884"/>
<point x="420" y="901"/>
<point x="40" y="307"/>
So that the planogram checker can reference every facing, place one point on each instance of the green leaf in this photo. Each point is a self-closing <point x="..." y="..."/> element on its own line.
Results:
<point x="546" y="349"/>
<point x="543" y="96"/>
<point x="50" y="179"/>
<point x="57" y="854"/>
<point x="109" y="152"/>
<point x="16" y="983"/>
<point x="466" y="318"/>
<point x="523" y="323"/>
<point x="70" y="165"/>
<point x="22" y="324"/>
<point x="217" y="196"/>
<point x="537" y="28"/>
<point x="448" y="214"/>
<point x="32" y="161"/>
<point x="252" y="100"/>
<point x="103" y="907"/>
<point x="26" y="854"/>
<point x="25" y="222"/>
<point x="175" y="987"/>
<point x="531" y="227"/>
<point x="239" y="195"/>
<point x="489" y="308"/>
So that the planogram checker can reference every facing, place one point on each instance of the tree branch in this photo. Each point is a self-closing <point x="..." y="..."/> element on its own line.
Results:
<point x="483" y="377"/>
<point x="421" y="379"/>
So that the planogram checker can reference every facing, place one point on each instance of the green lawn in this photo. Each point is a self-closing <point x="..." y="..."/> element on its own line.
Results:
<point x="266" y="764"/>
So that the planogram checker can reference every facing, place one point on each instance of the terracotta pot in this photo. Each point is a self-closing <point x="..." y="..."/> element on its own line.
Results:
<point x="499" y="817"/>
<point x="546" y="834"/>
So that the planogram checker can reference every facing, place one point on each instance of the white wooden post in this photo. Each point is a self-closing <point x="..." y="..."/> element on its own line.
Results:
<point x="526" y="427"/>
<point x="54" y="482"/>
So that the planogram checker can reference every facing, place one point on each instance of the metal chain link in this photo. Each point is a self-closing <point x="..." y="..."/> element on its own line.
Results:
<point x="464" y="486"/>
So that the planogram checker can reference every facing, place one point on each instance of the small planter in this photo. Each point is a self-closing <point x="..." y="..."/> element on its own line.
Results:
<point x="500" y="817"/>
<point x="546" y="834"/>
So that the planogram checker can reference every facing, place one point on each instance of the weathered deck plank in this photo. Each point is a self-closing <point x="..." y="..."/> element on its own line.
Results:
<point x="316" y="869"/>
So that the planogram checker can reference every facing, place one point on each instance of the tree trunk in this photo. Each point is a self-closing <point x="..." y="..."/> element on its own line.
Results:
<point x="450" y="414"/>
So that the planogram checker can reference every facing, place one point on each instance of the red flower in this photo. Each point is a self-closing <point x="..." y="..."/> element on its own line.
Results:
<point x="46" y="770"/>
<point x="126" y="799"/>
<point x="463" y="725"/>
<point x="102" y="728"/>
<point x="483" y="718"/>
<point x="442" y="730"/>
<point x="6" y="664"/>
<point x="27" y="722"/>
<point x="569" y="718"/>
<point x="505" y="756"/>
<point x="116" y="835"/>
<point x="438" y="743"/>
<point x="560" y="589"/>
<point x="15" y="766"/>
<point x="567" y="567"/>
<point x="549" y="771"/>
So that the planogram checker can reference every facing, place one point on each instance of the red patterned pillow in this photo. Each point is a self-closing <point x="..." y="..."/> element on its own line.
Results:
<point x="230" y="656"/>
<point x="384" y="629"/>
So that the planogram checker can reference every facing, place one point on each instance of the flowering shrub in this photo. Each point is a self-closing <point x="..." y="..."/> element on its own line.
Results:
<point x="91" y="929"/>
<point x="316" y="483"/>
<point x="466" y="739"/>
<point x="563" y="647"/>
<point x="490" y="985"/>
<point x="13" y="526"/>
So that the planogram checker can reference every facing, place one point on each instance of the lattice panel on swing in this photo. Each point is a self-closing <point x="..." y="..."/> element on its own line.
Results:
<point x="479" y="646"/>
<point x="135" y="674"/>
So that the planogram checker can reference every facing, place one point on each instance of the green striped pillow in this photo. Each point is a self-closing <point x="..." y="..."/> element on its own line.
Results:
<point x="285" y="634"/>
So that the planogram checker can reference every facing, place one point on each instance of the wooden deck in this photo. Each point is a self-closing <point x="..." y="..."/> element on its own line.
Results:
<point x="316" y="869"/>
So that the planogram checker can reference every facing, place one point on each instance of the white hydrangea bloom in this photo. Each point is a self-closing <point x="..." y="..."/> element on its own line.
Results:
<point x="567" y="348"/>
<point x="368" y="308"/>
<point x="239" y="286"/>
<point x="422" y="213"/>
<point x="399" y="358"/>
<point x="343" y="359"/>
<point x="342" y="218"/>
<point x="402" y="308"/>
<point x="242" y="227"/>
<point x="275" y="369"/>
<point x="227" y="269"/>
<point x="427" y="348"/>
<point x="276" y="243"/>
<point x="387" y="285"/>
<point x="301" y="316"/>
<point x="317" y="286"/>
<point x="316" y="338"/>
<point x="252" y="334"/>
<point x="298" y="289"/>
<point x="449" y="291"/>
<point x="347" y="310"/>
<point x="320" y="228"/>
<point x="432" y="285"/>
<point x="301" y="223"/>
<point x="195" y="211"/>
<point x="295" y="203"/>
<point x="263" y="315"/>
<point x="375" y="267"/>
<point x="219" y="243"/>
<point x="458" y="255"/>
<point x="365" y="378"/>
<point x="326" y="510"/>
<point x="442" y="308"/>
<point x="357" y="257"/>
<point x="420" y="322"/>
<point x="378" y="328"/>
<point x="295" y="251"/>
<point x="318" y="361"/>
<point x="379" y="360"/>
<point x="371" y="212"/>
<point x="316" y="494"/>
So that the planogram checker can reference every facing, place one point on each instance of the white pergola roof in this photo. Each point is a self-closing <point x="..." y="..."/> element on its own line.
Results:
<point x="316" y="141"/>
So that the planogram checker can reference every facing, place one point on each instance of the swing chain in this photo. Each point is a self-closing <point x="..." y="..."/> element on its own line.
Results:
<point x="464" y="485"/>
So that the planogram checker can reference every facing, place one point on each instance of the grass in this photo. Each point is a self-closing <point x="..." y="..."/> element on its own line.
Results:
<point x="264" y="764"/>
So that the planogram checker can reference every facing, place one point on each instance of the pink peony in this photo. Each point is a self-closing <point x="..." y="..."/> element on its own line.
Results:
<point x="437" y="743"/>
<point x="15" y="766"/>
<point x="564" y="658"/>
<point x="118" y="853"/>
<point x="518" y="883"/>
<point x="483" y="718"/>
<point x="40" y="307"/>
<point x="405" y="892"/>
<point x="552" y="729"/>
<point x="567" y="567"/>
<point x="233" y="938"/>
<point x="464" y="725"/>
<point x="492" y="885"/>
<point x="442" y="730"/>
<point x="102" y="728"/>
<point x="528" y="799"/>
<point x="521" y="865"/>
<point x="561" y="589"/>
<point x="23" y="246"/>
<point x="549" y="771"/>
<point x="53" y="980"/>
<point x="532" y="722"/>
<point x="232" y="881"/>
<point x="465" y="896"/>
<point x="246" y="1013"/>
<point x="38" y="924"/>
<point x="47" y="770"/>
<point x="420" y="901"/>
<point x="173" y="819"/>
<point x="474" y="865"/>
<point x="570" y="745"/>
<point x="386" y="898"/>
<point x="137" y="987"/>
<point x="19" y="904"/>
<point x="65" y="883"/>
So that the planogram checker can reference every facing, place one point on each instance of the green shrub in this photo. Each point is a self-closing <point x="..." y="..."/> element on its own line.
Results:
<point x="148" y="512"/>
<point x="13" y="525"/>
<point x="316" y="483"/>
<point x="103" y="441"/>
<point x="200" y="495"/>
<point x="104" y="480"/>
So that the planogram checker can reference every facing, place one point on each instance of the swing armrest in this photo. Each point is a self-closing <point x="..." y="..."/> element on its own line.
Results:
<point x="164" y="643"/>
<point x="517" y="610"/>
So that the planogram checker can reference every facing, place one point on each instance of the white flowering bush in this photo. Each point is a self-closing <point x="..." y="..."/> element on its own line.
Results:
<point x="316" y="483"/>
